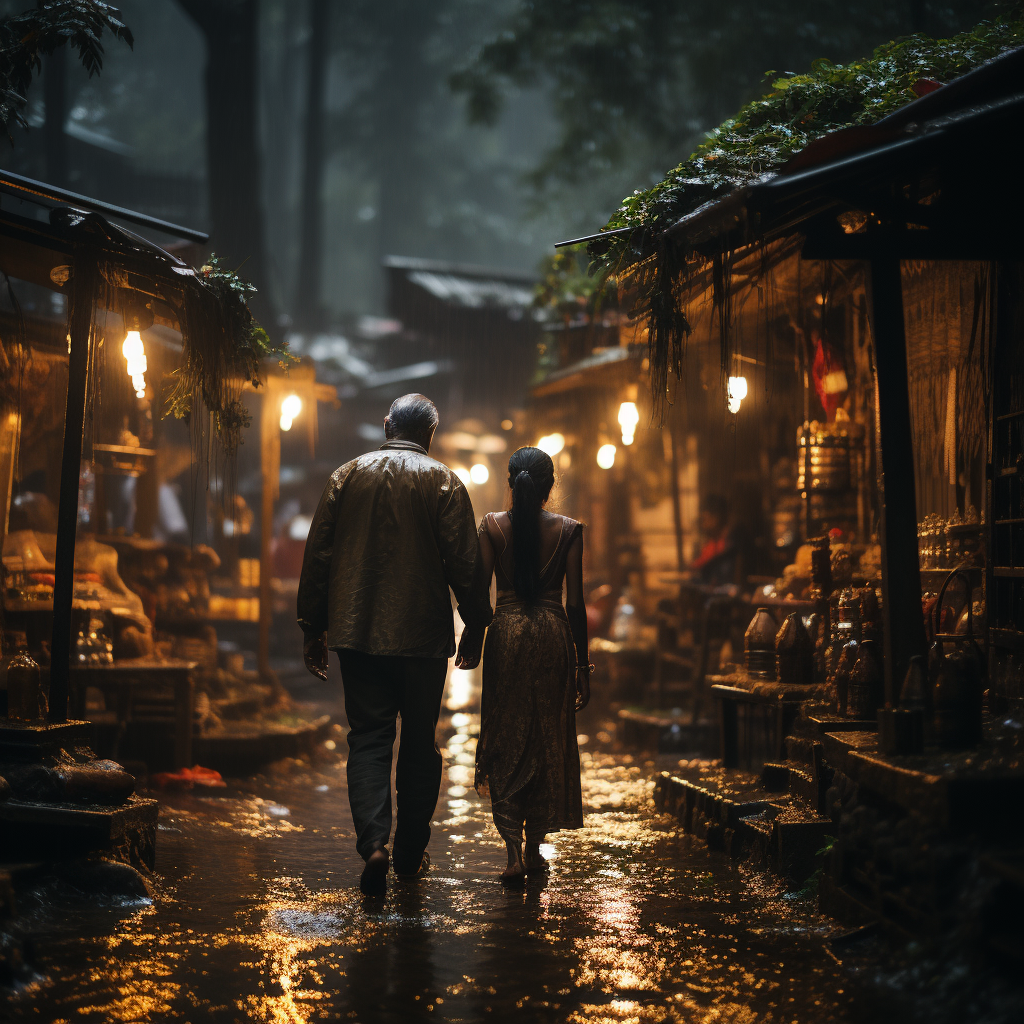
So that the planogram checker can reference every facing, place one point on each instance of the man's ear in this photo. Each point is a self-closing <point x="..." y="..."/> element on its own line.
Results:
<point x="387" y="428"/>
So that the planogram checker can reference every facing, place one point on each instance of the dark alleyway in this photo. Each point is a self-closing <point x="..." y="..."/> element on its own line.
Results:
<point x="256" y="917"/>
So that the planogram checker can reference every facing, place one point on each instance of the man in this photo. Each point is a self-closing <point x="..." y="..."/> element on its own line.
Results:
<point x="393" y="531"/>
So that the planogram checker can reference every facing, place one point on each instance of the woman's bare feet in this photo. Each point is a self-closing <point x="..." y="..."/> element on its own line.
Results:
<point x="535" y="863"/>
<point x="515" y="871"/>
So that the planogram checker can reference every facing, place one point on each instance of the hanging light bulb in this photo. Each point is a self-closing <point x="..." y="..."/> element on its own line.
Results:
<point x="737" y="392"/>
<point x="606" y="456"/>
<point x="290" y="409"/>
<point x="551" y="444"/>
<point x="134" y="353"/>
<point x="629" y="417"/>
<point x="479" y="474"/>
<point x="464" y="475"/>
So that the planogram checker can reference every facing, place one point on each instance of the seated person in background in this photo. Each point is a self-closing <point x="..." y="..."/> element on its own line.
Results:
<point x="718" y="563"/>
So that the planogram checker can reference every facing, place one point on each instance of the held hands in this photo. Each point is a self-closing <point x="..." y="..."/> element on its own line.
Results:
<point x="582" y="686"/>
<point x="314" y="654"/>
<point x="469" y="649"/>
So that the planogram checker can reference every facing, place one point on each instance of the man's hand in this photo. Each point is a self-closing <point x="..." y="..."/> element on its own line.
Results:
<point x="314" y="654"/>
<point x="469" y="648"/>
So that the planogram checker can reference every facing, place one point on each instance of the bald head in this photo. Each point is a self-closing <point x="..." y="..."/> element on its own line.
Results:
<point x="411" y="418"/>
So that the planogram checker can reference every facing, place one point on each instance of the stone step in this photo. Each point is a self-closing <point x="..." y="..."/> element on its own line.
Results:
<point x="734" y="812"/>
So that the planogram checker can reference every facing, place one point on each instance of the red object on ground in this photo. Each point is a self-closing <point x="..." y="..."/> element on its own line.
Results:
<point x="186" y="778"/>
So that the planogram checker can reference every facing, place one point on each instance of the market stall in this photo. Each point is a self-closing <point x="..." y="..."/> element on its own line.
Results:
<point x="882" y="711"/>
<point x="122" y="370"/>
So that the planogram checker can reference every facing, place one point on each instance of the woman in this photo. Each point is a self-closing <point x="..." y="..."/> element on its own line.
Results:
<point x="536" y="668"/>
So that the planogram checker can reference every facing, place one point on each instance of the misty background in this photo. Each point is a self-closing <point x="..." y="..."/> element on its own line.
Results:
<point x="603" y="98"/>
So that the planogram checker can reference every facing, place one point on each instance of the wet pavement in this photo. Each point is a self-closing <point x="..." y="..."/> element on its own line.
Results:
<point x="256" y="917"/>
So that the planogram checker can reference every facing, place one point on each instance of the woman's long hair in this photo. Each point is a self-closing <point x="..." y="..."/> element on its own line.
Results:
<point x="531" y="474"/>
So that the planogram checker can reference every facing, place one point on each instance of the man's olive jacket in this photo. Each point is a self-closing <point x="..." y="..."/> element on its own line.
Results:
<point x="393" y="531"/>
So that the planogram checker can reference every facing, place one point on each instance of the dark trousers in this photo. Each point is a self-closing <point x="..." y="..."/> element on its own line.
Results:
<point x="378" y="689"/>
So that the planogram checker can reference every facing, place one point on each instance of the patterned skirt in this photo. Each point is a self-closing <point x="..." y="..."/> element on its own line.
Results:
<point x="528" y="760"/>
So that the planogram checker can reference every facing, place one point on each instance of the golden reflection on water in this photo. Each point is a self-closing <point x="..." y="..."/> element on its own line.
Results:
<point x="631" y="926"/>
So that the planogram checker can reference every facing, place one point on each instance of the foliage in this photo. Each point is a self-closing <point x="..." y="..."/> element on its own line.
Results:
<point x="766" y="133"/>
<point x="568" y="292"/>
<point x="756" y="142"/>
<point x="636" y="82"/>
<point x="223" y="348"/>
<point x="26" y="38"/>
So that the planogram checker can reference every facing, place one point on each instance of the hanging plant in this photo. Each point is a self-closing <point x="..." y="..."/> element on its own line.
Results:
<point x="757" y="143"/>
<point x="223" y="348"/>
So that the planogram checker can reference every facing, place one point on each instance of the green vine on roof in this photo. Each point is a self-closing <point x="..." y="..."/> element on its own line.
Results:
<point x="566" y="291"/>
<point x="223" y="349"/>
<point x="766" y="133"/>
<point x="757" y="142"/>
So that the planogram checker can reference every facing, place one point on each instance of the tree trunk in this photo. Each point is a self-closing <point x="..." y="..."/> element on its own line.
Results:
<point x="404" y="87"/>
<point x="55" y="95"/>
<point x="308" y="308"/>
<point x="233" y="150"/>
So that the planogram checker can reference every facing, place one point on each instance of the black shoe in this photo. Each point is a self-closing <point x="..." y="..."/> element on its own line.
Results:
<point x="374" y="879"/>
<point x="419" y="872"/>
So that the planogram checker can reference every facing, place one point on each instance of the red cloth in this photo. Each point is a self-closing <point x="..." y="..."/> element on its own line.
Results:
<point x="710" y="550"/>
<point x="186" y="778"/>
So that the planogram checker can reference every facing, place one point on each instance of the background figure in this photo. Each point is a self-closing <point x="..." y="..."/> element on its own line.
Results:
<point x="393" y="531"/>
<point x="721" y="557"/>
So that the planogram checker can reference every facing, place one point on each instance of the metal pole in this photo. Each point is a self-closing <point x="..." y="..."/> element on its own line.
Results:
<point x="84" y="280"/>
<point x="904" y="634"/>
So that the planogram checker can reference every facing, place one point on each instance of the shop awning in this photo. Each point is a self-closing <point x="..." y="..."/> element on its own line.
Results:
<point x="935" y="180"/>
<point x="605" y="367"/>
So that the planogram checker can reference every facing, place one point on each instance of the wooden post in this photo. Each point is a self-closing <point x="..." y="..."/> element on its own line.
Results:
<point x="84" y="279"/>
<point x="677" y="508"/>
<point x="904" y="634"/>
<point x="270" y="457"/>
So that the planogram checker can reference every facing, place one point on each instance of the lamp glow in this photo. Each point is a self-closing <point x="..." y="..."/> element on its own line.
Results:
<point x="606" y="456"/>
<point x="479" y="474"/>
<point x="551" y="444"/>
<point x="629" y="417"/>
<point x="463" y="474"/>
<point x="737" y="392"/>
<point x="290" y="409"/>
<point x="134" y="353"/>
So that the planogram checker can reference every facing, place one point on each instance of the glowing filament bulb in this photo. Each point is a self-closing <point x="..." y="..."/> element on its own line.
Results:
<point x="479" y="474"/>
<point x="737" y="392"/>
<point x="606" y="456"/>
<point x="134" y="353"/>
<point x="629" y="417"/>
<point x="551" y="444"/>
<point x="290" y="409"/>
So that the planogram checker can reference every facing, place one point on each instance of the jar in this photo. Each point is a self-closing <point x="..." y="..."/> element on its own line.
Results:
<point x="759" y="645"/>
<point x="794" y="653"/>
<point x="865" y="683"/>
<point x="957" y="701"/>
<point x="26" y="701"/>
<point x="844" y="669"/>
